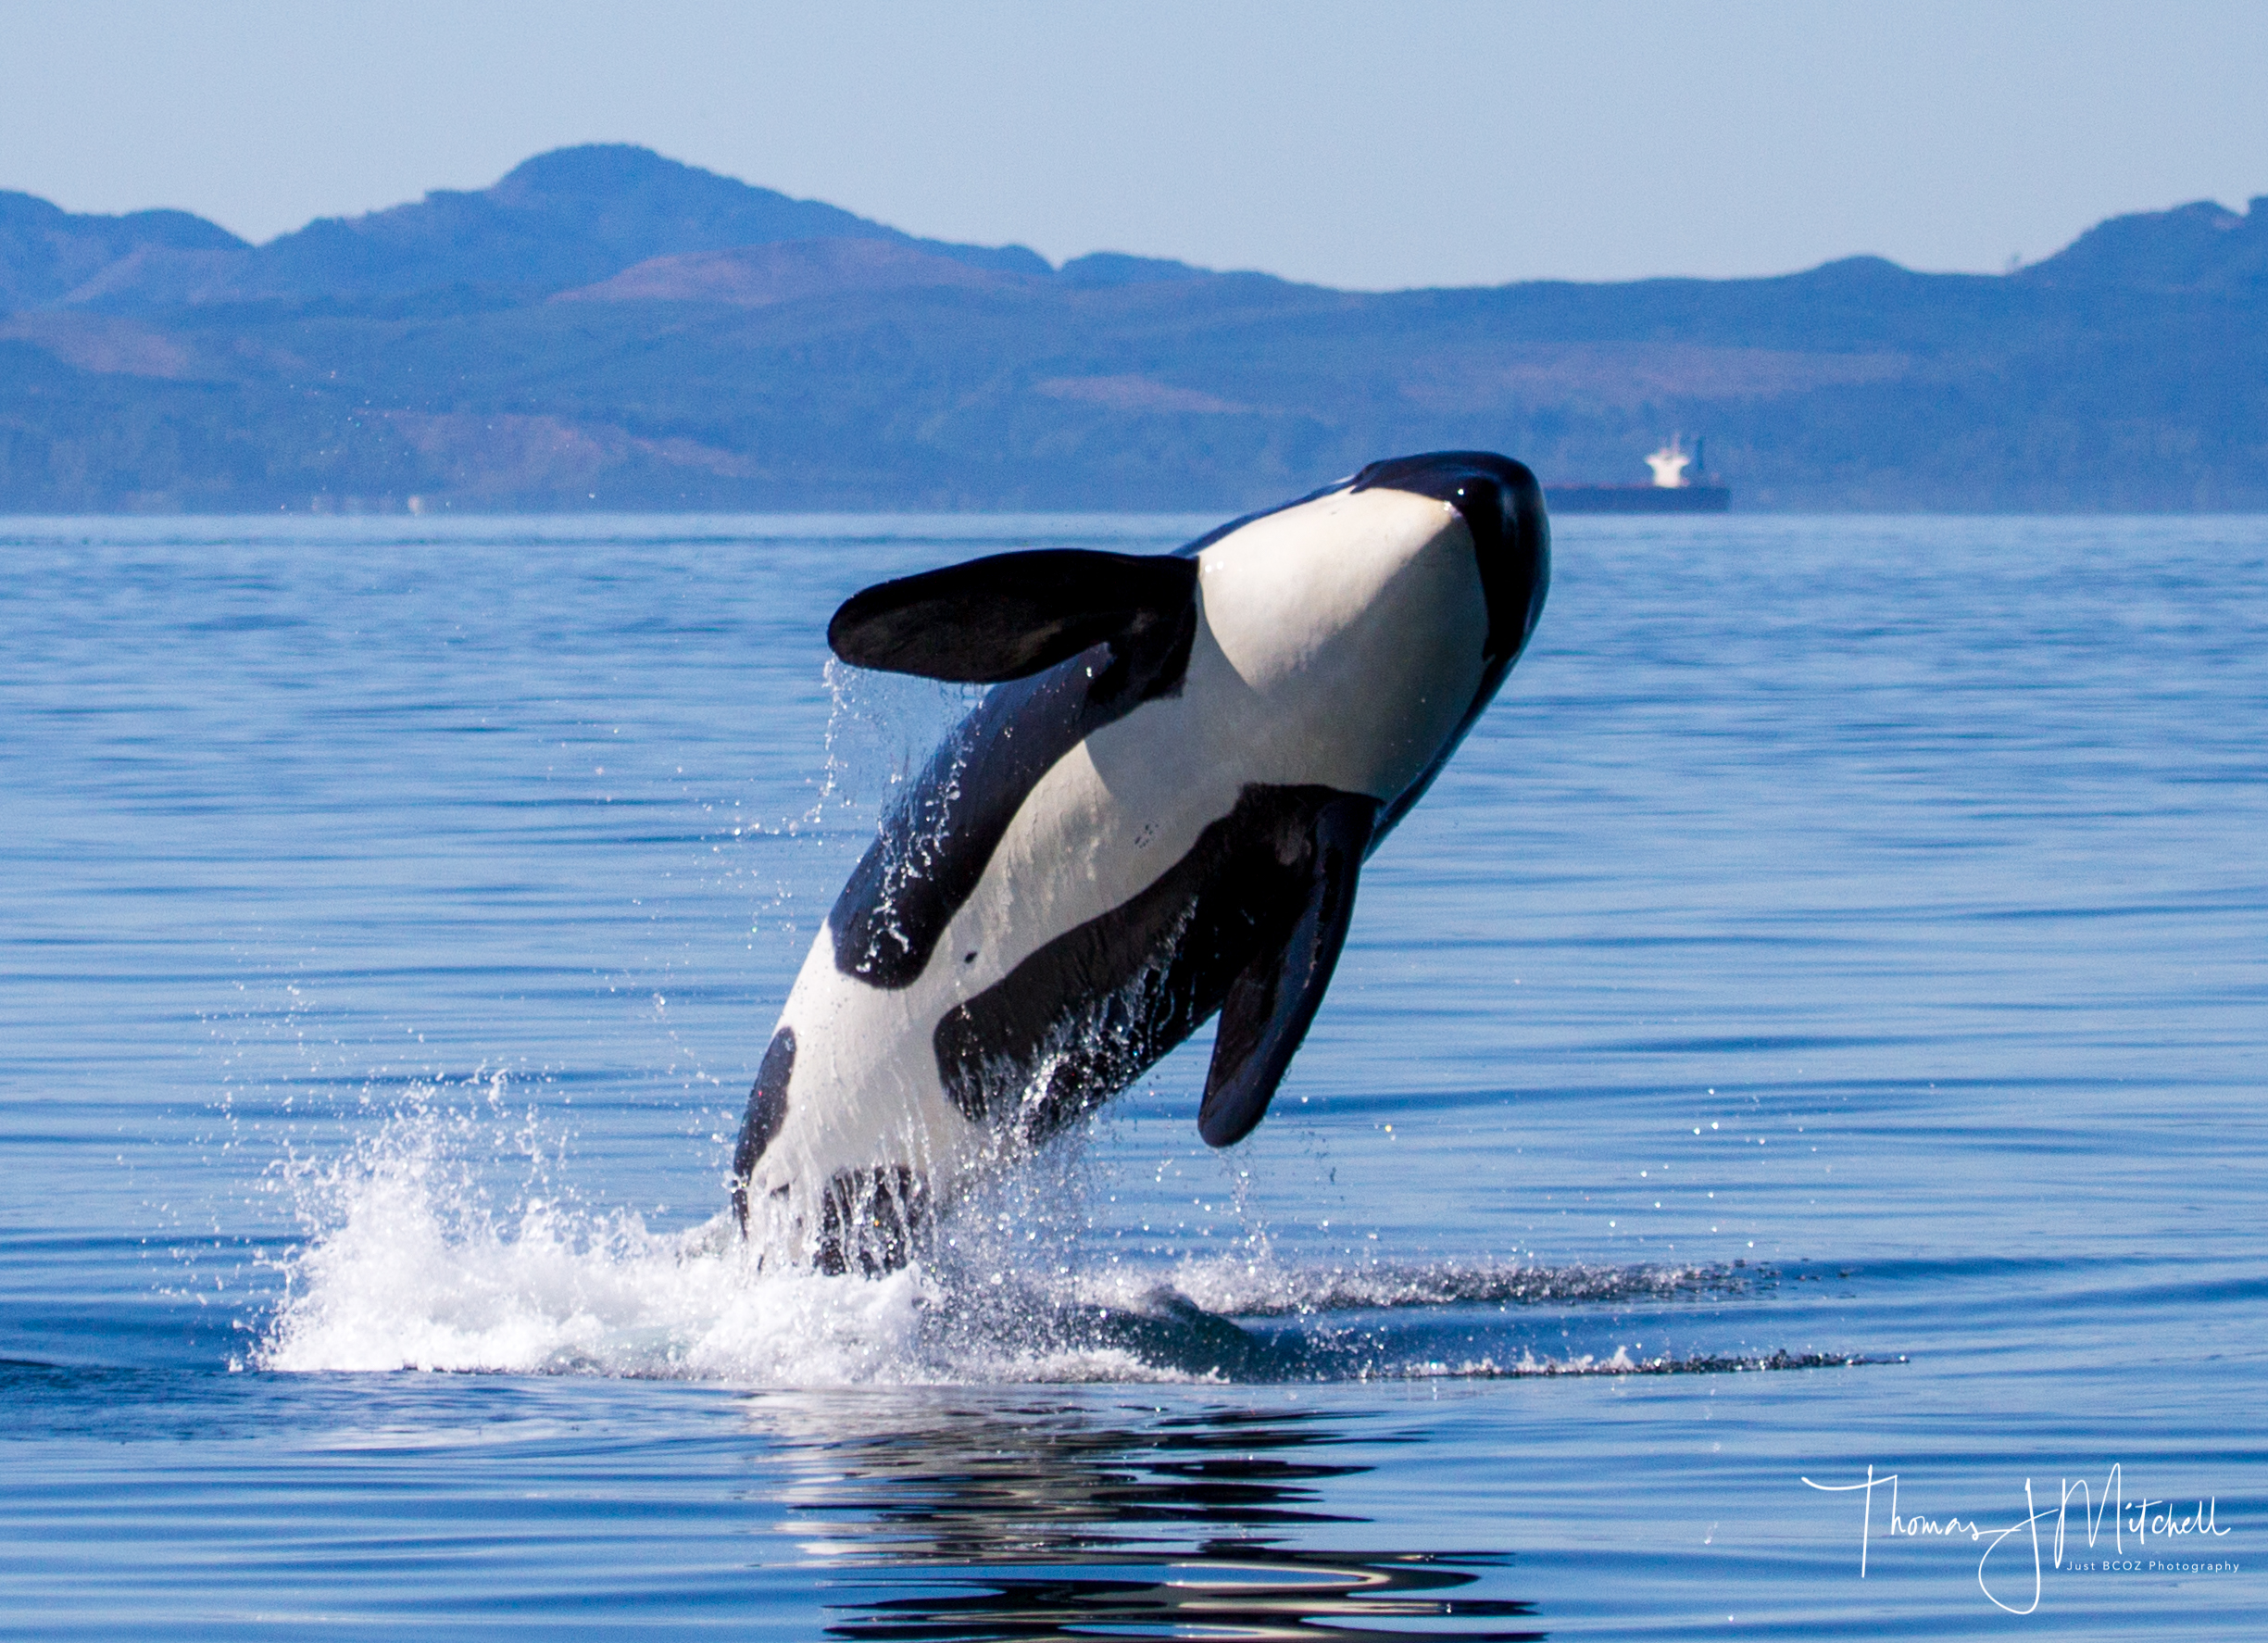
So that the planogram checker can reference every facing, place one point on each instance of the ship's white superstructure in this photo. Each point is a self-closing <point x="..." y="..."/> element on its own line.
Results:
<point x="1669" y="463"/>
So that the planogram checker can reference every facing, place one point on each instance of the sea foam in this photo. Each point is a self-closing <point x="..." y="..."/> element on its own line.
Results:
<point x="411" y="1262"/>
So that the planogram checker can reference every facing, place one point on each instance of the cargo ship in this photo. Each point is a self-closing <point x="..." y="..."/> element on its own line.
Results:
<point x="1682" y="484"/>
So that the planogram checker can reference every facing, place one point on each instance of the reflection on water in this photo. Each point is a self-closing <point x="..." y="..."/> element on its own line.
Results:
<point x="1235" y="1590"/>
<point x="964" y="1520"/>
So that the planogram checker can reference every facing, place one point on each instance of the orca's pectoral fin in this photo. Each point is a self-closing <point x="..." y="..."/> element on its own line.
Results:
<point x="1270" y="1003"/>
<point x="1013" y="614"/>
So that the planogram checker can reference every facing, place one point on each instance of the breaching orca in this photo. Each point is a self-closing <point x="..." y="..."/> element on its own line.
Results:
<point x="1156" y="813"/>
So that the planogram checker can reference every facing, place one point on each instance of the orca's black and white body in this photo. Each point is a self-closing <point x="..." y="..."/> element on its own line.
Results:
<point x="1158" y="813"/>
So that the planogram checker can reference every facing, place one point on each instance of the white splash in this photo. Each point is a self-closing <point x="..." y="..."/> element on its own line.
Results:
<point x="409" y="1266"/>
<point x="409" y="1263"/>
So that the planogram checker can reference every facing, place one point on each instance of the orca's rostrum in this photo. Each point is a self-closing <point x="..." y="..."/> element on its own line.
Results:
<point x="1158" y="812"/>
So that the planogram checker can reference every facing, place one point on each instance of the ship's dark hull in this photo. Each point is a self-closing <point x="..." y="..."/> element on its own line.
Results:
<point x="1637" y="499"/>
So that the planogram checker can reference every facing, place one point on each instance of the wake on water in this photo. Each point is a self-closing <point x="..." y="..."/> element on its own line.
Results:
<point x="409" y="1263"/>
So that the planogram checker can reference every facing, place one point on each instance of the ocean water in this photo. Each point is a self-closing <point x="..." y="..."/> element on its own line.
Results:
<point x="1814" y="1031"/>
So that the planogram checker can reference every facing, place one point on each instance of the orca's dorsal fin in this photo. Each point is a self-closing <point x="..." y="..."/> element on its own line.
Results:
<point x="1014" y="614"/>
<point x="1272" y="1001"/>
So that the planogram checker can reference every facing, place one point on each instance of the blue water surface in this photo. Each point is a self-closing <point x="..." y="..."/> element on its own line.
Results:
<point x="1816" y="1025"/>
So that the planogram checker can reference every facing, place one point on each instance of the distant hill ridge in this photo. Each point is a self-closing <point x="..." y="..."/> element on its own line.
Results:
<point x="576" y="217"/>
<point x="48" y="253"/>
<point x="2201" y="246"/>
<point x="571" y="218"/>
<point x="605" y="327"/>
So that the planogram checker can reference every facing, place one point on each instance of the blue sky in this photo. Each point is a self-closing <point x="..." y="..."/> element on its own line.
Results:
<point x="1362" y="145"/>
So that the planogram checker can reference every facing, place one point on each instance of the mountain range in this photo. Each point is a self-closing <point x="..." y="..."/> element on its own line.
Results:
<point x="605" y="328"/>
